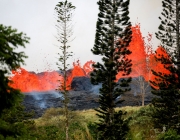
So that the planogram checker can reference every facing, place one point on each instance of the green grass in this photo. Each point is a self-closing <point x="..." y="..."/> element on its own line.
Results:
<point x="51" y="124"/>
<point x="141" y="127"/>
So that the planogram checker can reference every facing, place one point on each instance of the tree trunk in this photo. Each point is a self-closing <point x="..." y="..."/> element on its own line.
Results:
<point x="67" y="122"/>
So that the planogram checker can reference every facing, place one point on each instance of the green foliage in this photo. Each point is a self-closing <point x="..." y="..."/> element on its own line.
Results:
<point x="15" y="123"/>
<point x="10" y="40"/>
<point x="166" y="102"/>
<point x="166" y="112"/>
<point x="55" y="116"/>
<point x="8" y="95"/>
<point x="52" y="112"/>
<point x="116" y="130"/>
<point x="113" y="35"/>
<point x="141" y="124"/>
<point x="169" y="135"/>
<point x="93" y="130"/>
<point x="82" y="126"/>
<point x="49" y="132"/>
<point x="13" y="119"/>
<point x="51" y="124"/>
<point x="10" y="60"/>
<point x="16" y="114"/>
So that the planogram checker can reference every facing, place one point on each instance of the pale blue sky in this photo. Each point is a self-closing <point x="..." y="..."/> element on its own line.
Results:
<point x="36" y="19"/>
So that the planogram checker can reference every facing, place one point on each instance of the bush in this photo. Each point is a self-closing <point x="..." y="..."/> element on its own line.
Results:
<point x="51" y="125"/>
<point x="141" y="124"/>
<point x="52" y="112"/>
<point x="93" y="130"/>
<point x="15" y="123"/>
<point x="169" y="135"/>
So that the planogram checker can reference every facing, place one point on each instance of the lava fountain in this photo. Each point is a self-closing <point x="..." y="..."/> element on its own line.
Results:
<point x="45" y="81"/>
<point x="142" y="59"/>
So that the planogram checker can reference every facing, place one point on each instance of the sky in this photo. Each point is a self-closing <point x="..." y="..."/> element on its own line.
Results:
<point x="36" y="18"/>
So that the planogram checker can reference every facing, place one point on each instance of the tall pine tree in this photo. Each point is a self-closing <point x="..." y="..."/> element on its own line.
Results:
<point x="64" y="11"/>
<point x="113" y="35"/>
<point x="166" y="104"/>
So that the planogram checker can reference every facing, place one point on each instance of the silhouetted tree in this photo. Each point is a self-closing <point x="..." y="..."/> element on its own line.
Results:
<point x="168" y="32"/>
<point x="113" y="35"/>
<point x="10" y="60"/>
<point x="64" y="11"/>
<point x="167" y="83"/>
<point x="14" y="121"/>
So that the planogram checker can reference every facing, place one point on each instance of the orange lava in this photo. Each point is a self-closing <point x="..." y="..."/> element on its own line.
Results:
<point x="138" y="55"/>
<point x="28" y="82"/>
<point x="77" y="71"/>
<point x="141" y="52"/>
<point x="88" y="68"/>
<point x="156" y="65"/>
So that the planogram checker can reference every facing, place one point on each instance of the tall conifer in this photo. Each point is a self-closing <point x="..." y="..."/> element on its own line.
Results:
<point x="64" y="11"/>
<point x="113" y="35"/>
<point x="166" y="103"/>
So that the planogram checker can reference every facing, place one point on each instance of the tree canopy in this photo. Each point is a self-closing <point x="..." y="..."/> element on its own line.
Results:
<point x="10" y="60"/>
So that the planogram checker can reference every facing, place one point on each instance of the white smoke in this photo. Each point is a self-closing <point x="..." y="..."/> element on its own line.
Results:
<point x="43" y="105"/>
<point x="95" y="88"/>
<point x="41" y="97"/>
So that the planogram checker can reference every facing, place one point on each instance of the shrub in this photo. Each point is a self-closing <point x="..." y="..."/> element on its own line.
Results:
<point x="169" y="135"/>
<point x="93" y="130"/>
<point x="141" y="124"/>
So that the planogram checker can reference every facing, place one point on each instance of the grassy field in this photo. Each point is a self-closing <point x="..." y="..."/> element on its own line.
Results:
<point x="82" y="124"/>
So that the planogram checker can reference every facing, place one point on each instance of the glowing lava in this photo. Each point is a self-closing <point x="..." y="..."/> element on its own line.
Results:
<point x="138" y="55"/>
<point x="142" y="59"/>
<point x="88" y="68"/>
<point x="157" y="66"/>
<point x="28" y="81"/>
